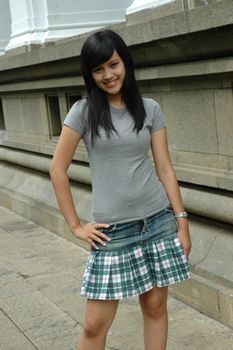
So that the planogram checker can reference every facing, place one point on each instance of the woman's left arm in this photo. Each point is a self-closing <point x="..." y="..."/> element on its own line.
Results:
<point x="167" y="176"/>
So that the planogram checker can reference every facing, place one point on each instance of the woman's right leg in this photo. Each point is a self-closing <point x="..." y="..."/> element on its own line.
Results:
<point x="99" y="317"/>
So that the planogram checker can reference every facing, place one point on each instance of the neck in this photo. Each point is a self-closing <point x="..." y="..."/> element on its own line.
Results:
<point x="116" y="100"/>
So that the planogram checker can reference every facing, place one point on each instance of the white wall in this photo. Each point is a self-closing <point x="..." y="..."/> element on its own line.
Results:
<point x="5" y="24"/>
<point x="38" y="21"/>
<point x="142" y="4"/>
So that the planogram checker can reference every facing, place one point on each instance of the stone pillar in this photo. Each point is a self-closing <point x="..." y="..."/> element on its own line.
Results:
<point x="5" y="24"/>
<point x="138" y="5"/>
<point x="39" y="21"/>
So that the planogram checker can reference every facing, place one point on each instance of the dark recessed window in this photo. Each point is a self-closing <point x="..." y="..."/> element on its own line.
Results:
<point x="71" y="99"/>
<point x="54" y="114"/>
<point x="2" y="122"/>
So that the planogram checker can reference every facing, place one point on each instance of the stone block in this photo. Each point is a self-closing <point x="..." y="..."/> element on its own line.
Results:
<point x="151" y="85"/>
<point x="209" y="205"/>
<point x="168" y="26"/>
<point x="196" y="293"/>
<point x="124" y="328"/>
<point x="224" y="119"/>
<point x="11" y="336"/>
<point x="226" y="182"/>
<point x="204" y="161"/>
<point x="69" y="341"/>
<point x="31" y="114"/>
<point x="143" y="32"/>
<point x="196" y="176"/>
<point x="160" y="85"/>
<point x="16" y="247"/>
<point x="7" y="275"/>
<point x="183" y="334"/>
<point x="200" y="168"/>
<point x="226" y="307"/>
<point x="146" y="74"/>
<point x="203" y="238"/>
<point x="31" y="122"/>
<point x="6" y="220"/>
<point x="195" y="83"/>
<point x="156" y="96"/>
<point x="39" y="319"/>
<point x="32" y="264"/>
<point x="214" y="15"/>
<point x="230" y="164"/>
<point x="218" y="261"/>
<point x="186" y="69"/>
<point x="191" y="120"/>
<point x="63" y="289"/>
<point x="21" y="286"/>
<point x="11" y="108"/>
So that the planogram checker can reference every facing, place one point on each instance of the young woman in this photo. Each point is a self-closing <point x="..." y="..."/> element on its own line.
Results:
<point x="139" y="236"/>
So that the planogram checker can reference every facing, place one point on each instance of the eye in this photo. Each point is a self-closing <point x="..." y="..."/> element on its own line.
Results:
<point x="96" y="70"/>
<point x="114" y="64"/>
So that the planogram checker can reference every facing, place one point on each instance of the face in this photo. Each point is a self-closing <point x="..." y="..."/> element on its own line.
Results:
<point x="110" y="75"/>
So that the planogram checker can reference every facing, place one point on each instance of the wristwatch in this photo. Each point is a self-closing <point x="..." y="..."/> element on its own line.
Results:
<point x="182" y="214"/>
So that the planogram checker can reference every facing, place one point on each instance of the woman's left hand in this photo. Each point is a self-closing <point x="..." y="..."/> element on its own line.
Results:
<point x="184" y="238"/>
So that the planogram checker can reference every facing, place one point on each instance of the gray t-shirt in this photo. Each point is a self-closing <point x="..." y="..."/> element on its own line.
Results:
<point x="124" y="182"/>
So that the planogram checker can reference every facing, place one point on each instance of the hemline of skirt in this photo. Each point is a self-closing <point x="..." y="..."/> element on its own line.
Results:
<point x="132" y="295"/>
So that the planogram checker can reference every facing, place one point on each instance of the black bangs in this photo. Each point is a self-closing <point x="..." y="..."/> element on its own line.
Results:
<point x="99" y="50"/>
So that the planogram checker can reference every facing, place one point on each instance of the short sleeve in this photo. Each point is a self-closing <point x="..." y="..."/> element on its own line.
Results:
<point x="76" y="117"/>
<point x="158" y="118"/>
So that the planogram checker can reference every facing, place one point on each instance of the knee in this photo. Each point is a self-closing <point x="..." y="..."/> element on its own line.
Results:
<point x="94" y="328"/>
<point x="154" y="308"/>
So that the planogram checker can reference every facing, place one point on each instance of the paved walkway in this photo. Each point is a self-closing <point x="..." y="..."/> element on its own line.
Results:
<point x="40" y="305"/>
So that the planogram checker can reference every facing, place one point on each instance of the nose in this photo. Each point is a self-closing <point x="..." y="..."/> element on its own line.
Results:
<point x="108" y="74"/>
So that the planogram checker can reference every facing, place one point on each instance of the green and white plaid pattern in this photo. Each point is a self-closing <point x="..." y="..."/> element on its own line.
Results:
<point x="134" y="270"/>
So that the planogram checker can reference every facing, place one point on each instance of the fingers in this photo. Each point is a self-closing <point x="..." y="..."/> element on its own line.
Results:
<point x="187" y="251"/>
<point x="185" y="240"/>
<point x="96" y="236"/>
<point x="101" y="234"/>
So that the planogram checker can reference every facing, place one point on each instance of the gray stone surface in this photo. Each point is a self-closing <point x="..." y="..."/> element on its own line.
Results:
<point x="191" y="121"/>
<point x="11" y="337"/>
<point x="41" y="308"/>
<point x="217" y="12"/>
<point x="224" y="119"/>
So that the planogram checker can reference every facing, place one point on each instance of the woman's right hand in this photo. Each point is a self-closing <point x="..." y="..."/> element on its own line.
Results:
<point x="89" y="233"/>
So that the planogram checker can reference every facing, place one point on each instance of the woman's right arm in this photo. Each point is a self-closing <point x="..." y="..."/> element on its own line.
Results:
<point x="63" y="155"/>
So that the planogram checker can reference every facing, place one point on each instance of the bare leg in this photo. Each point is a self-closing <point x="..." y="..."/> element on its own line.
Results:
<point x="99" y="317"/>
<point x="154" y="309"/>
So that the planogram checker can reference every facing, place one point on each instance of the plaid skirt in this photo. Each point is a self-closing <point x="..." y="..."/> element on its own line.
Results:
<point x="141" y="254"/>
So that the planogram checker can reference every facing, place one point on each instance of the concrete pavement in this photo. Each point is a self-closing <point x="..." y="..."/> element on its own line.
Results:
<point x="41" y="307"/>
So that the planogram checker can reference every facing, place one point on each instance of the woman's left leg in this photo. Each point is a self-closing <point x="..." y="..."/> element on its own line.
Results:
<point x="154" y="309"/>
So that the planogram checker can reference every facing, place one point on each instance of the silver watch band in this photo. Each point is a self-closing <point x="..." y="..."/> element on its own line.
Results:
<point x="182" y="214"/>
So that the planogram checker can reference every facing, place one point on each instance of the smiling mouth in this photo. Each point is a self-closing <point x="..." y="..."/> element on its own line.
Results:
<point x="111" y="84"/>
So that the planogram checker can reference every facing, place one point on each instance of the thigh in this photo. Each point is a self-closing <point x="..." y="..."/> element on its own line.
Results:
<point x="101" y="313"/>
<point x="153" y="300"/>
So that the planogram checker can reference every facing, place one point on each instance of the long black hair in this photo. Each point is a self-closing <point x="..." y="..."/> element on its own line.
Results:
<point x="97" y="49"/>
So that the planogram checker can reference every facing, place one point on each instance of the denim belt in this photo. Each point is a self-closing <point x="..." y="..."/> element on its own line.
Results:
<point x="123" y="235"/>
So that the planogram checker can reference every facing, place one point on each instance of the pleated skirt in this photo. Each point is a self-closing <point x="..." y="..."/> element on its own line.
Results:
<point x="141" y="254"/>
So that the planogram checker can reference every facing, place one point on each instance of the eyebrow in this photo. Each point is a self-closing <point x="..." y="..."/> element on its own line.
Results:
<point x="114" y="60"/>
